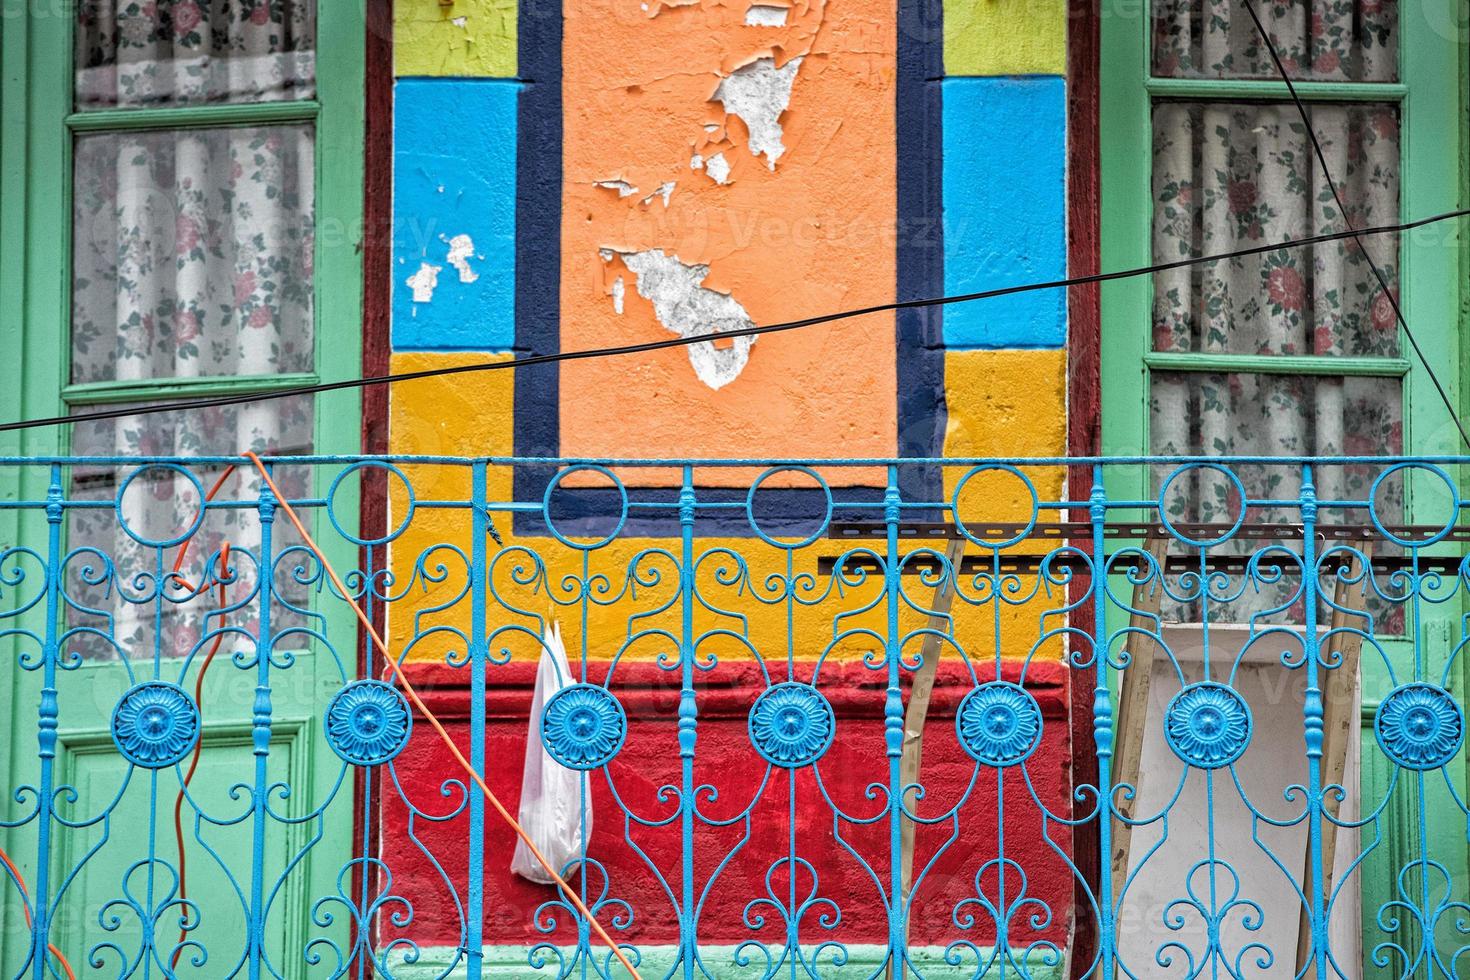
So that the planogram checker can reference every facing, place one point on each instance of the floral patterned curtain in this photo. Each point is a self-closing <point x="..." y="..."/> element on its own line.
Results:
<point x="192" y="258"/>
<point x="1319" y="40"/>
<point x="1229" y="175"/>
<point x="182" y="52"/>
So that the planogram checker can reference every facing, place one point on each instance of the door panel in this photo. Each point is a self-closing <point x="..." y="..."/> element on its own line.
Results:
<point x="110" y="858"/>
<point x="267" y="823"/>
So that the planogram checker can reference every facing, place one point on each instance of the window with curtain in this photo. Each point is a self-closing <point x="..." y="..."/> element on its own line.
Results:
<point x="192" y="272"/>
<point x="1290" y="352"/>
<point x="1229" y="174"/>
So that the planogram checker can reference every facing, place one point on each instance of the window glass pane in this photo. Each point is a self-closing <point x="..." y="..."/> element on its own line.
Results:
<point x="160" y="504"/>
<point x="1319" y="40"/>
<point x="187" y="52"/>
<point x="1274" y="415"/>
<point x="1205" y="413"/>
<point x="1227" y="177"/>
<point x="192" y="254"/>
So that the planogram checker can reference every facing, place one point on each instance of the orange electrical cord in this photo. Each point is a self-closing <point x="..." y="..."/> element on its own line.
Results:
<point x="224" y="563"/>
<point x="433" y="721"/>
<point x="26" y="908"/>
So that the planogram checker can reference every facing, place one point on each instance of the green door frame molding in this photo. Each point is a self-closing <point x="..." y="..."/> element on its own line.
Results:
<point x="37" y="128"/>
<point x="1431" y="95"/>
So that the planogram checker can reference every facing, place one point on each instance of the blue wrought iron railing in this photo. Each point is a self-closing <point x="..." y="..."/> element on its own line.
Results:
<point x="1203" y="718"/>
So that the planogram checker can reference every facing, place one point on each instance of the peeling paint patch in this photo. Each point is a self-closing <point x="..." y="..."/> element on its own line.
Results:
<point x="618" y="292"/>
<point x="665" y="191"/>
<point x="654" y="9"/>
<point x="718" y="168"/>
<point x="623" y="188"/>
<point x="765" y="15"/>
<point x="460" y="22"/>
<point x="759" y="93"/>
<point x="461" y="250"/>
<point x="424" y="282"/>
<point x="685" y="307"/>
<point x="811" y="234"/>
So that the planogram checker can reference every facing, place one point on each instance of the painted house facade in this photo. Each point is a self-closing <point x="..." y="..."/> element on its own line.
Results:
<point x="224" y="201"/>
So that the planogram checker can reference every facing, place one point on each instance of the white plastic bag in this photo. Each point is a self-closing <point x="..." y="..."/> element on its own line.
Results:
<point x="551" y="794"/>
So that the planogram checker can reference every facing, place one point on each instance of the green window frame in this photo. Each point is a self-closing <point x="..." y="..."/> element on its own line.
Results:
<point x="1430" y="97"/>
<point x="39" y="127"/>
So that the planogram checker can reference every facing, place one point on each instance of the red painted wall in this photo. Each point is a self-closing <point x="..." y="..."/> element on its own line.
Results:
<point x="726" y="761"/>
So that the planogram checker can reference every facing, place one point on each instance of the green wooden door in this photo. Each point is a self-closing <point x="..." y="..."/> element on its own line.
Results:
<point x="1414" y="93"/>
<point x="200" y="194"/>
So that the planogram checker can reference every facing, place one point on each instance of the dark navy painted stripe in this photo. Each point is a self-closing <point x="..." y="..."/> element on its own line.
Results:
<point x="920" y="259"/>
<point x="538" y="238"/>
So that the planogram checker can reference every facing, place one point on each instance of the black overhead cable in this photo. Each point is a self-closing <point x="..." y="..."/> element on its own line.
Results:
<point x="260" y="396"/>
<point x="1348" y="222"/>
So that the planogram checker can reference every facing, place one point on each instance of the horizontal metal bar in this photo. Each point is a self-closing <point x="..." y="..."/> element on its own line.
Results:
<point x="194" y="116"/>
<point x="115" y="392"/>
<point x="1020" y="462"/>
<point x="930" y="564"/>
<point x="1221" y="89"/>
<point x="1073" y="530"/>
<point x="1371" y="367"/>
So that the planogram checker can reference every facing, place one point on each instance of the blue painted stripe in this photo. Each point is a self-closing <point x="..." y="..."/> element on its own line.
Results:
<point x="1005" y="208"/>
<point x="454" y="174"/>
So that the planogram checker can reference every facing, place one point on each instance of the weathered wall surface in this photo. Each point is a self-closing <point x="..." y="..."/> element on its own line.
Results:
<point x="643" y="168"/>
<point x="724" y="166"/>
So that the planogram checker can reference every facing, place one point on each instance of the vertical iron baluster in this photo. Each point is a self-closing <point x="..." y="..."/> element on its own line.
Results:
<point x="475" y="900"/>
<point x="1102" y="730"/>
<point x="1312" y="718"/>
<point x="584" y="925"/>
<point x="46" y="726"/>
<point x="688" y="720"/>
<point x="260" y="736"/>
<point x="365" y="933"/>
<point x="893" y="731"/>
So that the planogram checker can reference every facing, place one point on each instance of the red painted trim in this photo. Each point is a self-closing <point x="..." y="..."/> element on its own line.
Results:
<point x="377" y="233"/>
<point x="377" y="281"/>
<point x="377" y="250"/>
<point x="1084" y="414"/>
<point x="1084" y="319"/>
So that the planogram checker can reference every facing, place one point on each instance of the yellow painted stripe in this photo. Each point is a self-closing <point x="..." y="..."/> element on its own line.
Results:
<point x="1005" y="37"/>
<point x="463" y="38"/>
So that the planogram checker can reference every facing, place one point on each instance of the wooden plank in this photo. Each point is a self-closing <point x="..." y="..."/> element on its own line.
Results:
<point x="1340" y="725"/>
<point x="1132" y="724"/>
<point x="918" y="710"/>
